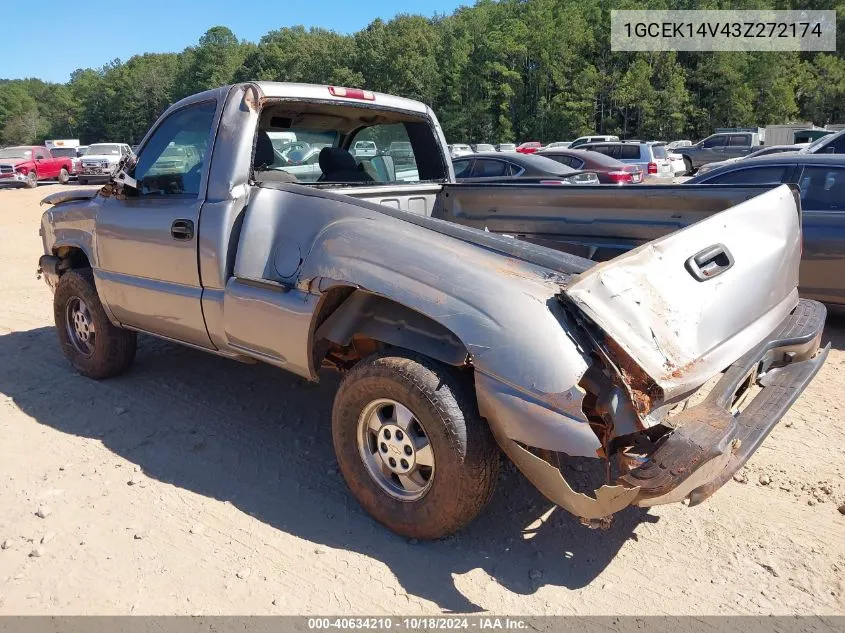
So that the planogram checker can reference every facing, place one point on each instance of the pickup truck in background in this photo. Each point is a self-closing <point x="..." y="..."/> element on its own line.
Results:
<point x="27" y="164"/>
<point x="101" y="159"/>
<point x="452" y="339"/>
<point x="718" y="147"/>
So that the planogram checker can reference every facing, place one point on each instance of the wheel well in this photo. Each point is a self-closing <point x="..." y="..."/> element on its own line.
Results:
<point x="72" y="257"/>
<point x="352" y="324"/>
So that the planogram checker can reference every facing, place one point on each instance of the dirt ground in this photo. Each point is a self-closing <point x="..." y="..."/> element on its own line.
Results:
<point x="196" y="485"/>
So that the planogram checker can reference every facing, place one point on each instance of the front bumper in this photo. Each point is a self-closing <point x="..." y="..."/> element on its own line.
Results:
<point x="710" y="442"/>
<point x="14" y="177"/>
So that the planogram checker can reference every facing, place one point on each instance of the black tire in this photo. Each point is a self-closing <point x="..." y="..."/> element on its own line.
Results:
<point x="64" y="176"/>
<point x="688" y="165"/>
<point x="81" y="180"/>
<point x="31" y="181"/>
<point x="113" y="349"/>
<point x="443" y="401"/>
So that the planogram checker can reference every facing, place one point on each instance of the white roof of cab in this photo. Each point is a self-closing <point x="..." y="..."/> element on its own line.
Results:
<point x="280" y="90"/>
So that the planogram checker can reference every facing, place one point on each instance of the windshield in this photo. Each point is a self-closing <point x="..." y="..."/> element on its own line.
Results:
<point x="16" y="152"/>
<point x="104" y="149"/>
<point x="64" y="151"/>
<point x="484" y="147"/>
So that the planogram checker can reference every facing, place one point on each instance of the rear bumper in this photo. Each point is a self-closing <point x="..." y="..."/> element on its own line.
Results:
<point x="711" y="443"/>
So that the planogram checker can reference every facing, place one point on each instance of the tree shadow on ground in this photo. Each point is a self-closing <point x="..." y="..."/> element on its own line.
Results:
<point x="260" y="439"/>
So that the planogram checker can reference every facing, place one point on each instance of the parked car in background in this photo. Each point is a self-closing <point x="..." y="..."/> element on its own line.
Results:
<point x="483" y="147"/>
<point x="673" y="145"/>
<point x="506" y="147"/>
<point x="71" y="153"/>
<point x="492" y="166"/>
<point x="100" y="160"/>
<point x="27" y="164"/>
<point x="608" y="170"/>
<point x="459" y="149"/>
<point x="651" y="158"/>
<point x="830" y="144"/>
<point x="679" y="167"/>
<point x="365" y="148"/>
<point x="821" y="179"/>
<point x="402" y="152"/>
<point x="717" y="147"/>
<point x="596" y="138"/>
<point x="765" y="151"/>
<point x="529" y="147"/>
<point x="303" y="163"/>
<point x="558" y="144"/>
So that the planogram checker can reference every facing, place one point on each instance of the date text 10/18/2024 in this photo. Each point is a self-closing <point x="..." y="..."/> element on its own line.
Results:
<point x="416" y="623"/>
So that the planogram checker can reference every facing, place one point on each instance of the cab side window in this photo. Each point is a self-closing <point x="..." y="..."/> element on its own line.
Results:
<point x="41" y="154"/>
<point x="172" y="161"/>
<point x="716" y="141"/>
<point x="823" y="189"/>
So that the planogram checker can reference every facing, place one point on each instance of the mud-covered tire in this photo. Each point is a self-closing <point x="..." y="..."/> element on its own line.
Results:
<point x="112" y="348"/>
<point x="465" y="453"/>
<point x="64" y="176"/>
<point x="31" y="181"/>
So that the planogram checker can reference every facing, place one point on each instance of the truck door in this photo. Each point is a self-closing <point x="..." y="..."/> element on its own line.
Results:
<point x="45" y="164"/>
<point x="738" y="145"/>
<point x="147" y="243"/>
<point x="712" y="150"/>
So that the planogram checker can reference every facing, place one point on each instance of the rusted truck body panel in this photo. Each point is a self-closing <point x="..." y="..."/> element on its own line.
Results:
<point x="568" y="357"/>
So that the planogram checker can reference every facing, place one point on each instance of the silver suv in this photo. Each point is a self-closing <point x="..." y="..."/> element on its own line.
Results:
<point x="650" y="157"/>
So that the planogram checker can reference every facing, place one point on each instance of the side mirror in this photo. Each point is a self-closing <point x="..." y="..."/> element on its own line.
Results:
<point x="124" y="172"/>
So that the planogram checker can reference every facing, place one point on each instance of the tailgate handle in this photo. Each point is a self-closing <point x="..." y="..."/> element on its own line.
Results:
<point x="712" y="261"/>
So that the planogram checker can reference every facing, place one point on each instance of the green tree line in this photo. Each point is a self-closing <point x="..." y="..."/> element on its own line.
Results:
<point x="498" y="71"/>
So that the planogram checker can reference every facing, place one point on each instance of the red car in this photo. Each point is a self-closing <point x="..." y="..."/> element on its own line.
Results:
<point x="27" y="164"/>
<point x="529" y="147"/>
<point x="609" y="170"/>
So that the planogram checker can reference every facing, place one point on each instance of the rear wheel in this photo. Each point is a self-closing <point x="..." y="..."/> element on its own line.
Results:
<point x="411" y="445"/>
<point x="64" y="176"/>
<point x="95" y="347"/>
<point x="31" y="181"/>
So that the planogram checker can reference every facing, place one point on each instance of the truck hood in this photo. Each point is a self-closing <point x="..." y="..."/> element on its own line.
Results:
<point x="14" y="162"/>
<point x="686" y="306"/>
<point x="71" y="194"/>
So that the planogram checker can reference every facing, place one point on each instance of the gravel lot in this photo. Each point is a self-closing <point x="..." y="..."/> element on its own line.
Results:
<point x="198" y="485"/>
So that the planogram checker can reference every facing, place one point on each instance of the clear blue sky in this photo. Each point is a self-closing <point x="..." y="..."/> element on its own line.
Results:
<point x="99" y="32"/>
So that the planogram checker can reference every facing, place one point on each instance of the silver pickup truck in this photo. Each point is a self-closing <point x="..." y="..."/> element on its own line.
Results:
<point x="671" y="362"/>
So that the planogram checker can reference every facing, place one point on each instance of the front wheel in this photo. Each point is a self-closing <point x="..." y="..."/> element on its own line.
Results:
<point x="31" y="181"/>
<point x="411" y="445"/>
<point x="96" y="348"/>
<point x="688" y="165"/>
<point x="64" y="176"/>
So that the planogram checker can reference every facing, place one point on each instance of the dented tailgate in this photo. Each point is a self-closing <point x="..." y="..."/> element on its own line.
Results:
<point x="689" y="304"/>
